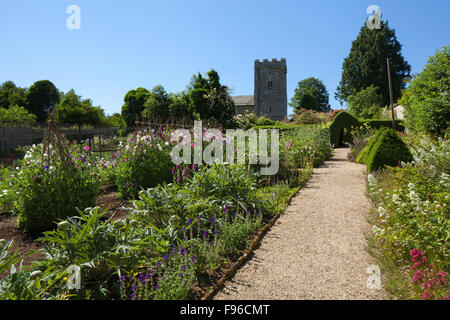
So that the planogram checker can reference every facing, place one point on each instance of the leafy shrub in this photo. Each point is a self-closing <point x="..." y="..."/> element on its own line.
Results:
<point x="16" y="115"/>
<point x="343" y="120"/>
<point x="388" y="150"/>
<point x="229" y="184"/>
<point x="51" y="192"/>
<point x="426" y="100"/>
<point x="411" y="219"/>
<point x="366" y="103"/>
<point x="361" y="158"/>
<point x="143" y="162"/>
<point x="307" y="116"/>
<point x="249" y="120"/>
<point x="384" y="123"/>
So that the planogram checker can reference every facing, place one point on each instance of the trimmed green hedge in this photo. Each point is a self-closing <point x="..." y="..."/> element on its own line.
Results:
<point x="387" y="150"/>
<point x="283" y="127"/>
<point x="384" y="123"/>
<point x="343" y="120"/>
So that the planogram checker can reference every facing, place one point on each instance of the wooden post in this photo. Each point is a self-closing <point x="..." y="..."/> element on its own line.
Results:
<point x="391" y="95"/>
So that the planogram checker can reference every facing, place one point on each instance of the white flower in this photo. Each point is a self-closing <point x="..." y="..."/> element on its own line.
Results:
<point x="381" y="211"/>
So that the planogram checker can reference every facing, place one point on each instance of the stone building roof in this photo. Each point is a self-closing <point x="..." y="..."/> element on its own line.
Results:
<point x="243" y="100"/>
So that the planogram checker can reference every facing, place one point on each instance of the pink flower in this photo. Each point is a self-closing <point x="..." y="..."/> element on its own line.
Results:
<point x="426" y="295"/>
<point x="87" y="148"/>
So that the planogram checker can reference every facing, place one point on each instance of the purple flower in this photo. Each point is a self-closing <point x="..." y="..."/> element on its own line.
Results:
<point x="212" y="219"/>
<point x="182" y="250"/>
<point x="181" y="275"/>
<point x="159" y="264"/>
<point x="216" y="231"/>
<point x="190" y="221"/>
<point x="183" y="267"/>
<point x="226" y="208"/>
<point x="198" y="218"/>
<point x="192" y="259"/>
<point x="157" y="287"/>
<point x="205" y="234"/>
<point x="165" y="258"/>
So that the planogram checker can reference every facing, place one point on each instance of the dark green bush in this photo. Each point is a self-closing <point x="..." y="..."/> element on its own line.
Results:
<point x="387" y="150"/>
<point x="49" y="194"/>
<point x="343" y="120"/>
<point x="384" y="123"/>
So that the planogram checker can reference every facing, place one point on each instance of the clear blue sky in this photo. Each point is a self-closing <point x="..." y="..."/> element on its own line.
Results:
<point x="123" y="45"/>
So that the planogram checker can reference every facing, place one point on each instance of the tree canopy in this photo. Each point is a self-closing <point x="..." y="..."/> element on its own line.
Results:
<point x="11" y="95"/>
<point x="311" y="94"/>
<point x="366" y="64"/>
<point x="41" y="97"/>
<point x="211" y="100"/>
<point x="73" y="109"/>
<point x="134" y="105"/>
<point x="366" y="103"/>
<point x="427" y="99"/>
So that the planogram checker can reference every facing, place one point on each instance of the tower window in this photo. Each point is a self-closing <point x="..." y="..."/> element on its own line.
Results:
<point x="269" y="85"/>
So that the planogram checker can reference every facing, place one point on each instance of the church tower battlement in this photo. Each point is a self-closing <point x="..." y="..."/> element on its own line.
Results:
<point x="270" y="95"/>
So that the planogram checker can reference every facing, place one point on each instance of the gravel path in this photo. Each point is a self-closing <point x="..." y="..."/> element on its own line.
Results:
<point x="316" y="250"/>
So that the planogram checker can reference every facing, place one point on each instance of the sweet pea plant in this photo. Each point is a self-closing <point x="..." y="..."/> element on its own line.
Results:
<point x="143" y="162"/>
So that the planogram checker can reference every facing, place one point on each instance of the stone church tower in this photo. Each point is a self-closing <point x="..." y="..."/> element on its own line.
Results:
<point x="270" y="96"/>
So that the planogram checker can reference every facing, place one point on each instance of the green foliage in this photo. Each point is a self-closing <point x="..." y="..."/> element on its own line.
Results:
<point x="304" y="116"/>
<point x="234" y="236"/>
<point x="134" y="105"/>
<point x="232" y="184"/>
<point x="310" y="94"/>
<point x="11" y="95"/>
<point x="157" y="105"/>
<point x="16" y="116"/>
<point x="143" y="162"/>
<point x="411" y="212"/>
<point x="73" y="110"/>
<point x="387" y="150"/>
<point x="249" y="119"/>
<point x="51" y="193"/>
<point x="41" y="97"/>
<point x="181" y="106"/>
<point x="366" y="103"/>
<point x="383" y="123"/>
<point x="427" y="99"/>
<point x="366" y="64"/>
<point x="341" y="126"/>
<point x="211" y="100"/>
<point x="115" y="120"/>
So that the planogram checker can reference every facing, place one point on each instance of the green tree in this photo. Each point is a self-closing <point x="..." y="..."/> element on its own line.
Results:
<point x="41" y="97"/>
<point x="134" y="105"/>
<point x="210" y="99"/>
<point x="11" y="95"/>
<point x="115" y="120"/>
<point x="157" y="104"/>
<point x="366" y="103"/>
<point x="16" y="115"/>
<point x="311" y="94"/>
<point x="76" y="111"/>
<point x="427" y="99"/>
<point x="366" y="64"/>
<point x="181" y="106"/>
